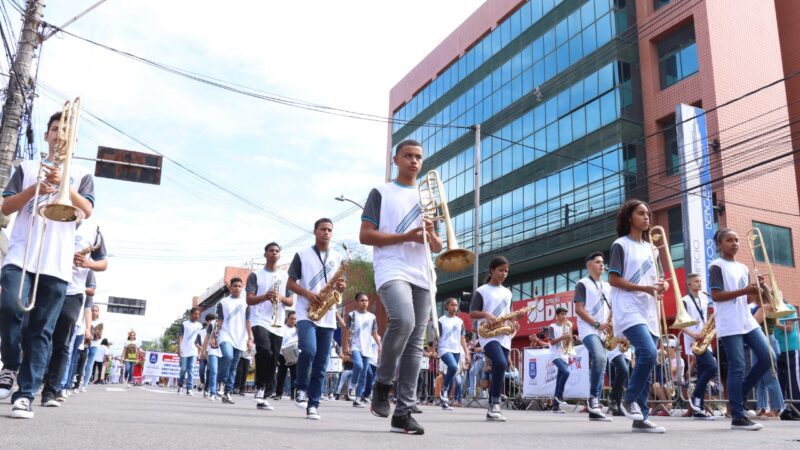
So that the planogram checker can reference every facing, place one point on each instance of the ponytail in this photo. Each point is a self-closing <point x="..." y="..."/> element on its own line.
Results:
<point x="496" y="262"/>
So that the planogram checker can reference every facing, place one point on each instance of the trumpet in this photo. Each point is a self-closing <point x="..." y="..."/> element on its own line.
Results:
<point x="61" y="208"/>
<point x="433" y="206"/>
<point x="276" y="323"/>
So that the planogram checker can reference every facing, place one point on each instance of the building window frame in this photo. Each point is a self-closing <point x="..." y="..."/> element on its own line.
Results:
<point x="677" y="52"/>
<point x="777" y="246"/>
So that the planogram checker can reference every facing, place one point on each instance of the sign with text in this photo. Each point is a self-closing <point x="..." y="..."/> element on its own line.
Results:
<point x="127" y="165"/>
<point x="539" y="374"/>
<point x="168" y="365"/>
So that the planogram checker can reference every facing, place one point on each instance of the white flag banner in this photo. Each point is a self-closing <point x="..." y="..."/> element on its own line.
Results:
<point x="158" y="364"/>
<point x="539" y="374"/>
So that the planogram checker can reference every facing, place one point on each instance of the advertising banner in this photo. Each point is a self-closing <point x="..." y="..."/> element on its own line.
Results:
<point x="159" y="364"/>
<point x="539" y="374"/>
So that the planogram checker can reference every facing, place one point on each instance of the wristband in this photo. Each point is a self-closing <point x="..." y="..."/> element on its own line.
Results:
<point x="596" y="325"/>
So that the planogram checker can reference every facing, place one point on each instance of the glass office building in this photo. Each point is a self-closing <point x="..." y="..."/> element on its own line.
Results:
<point x="554" y="86"/>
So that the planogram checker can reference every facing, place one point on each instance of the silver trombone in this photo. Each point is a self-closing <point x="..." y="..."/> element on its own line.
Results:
<point x="61" y="208"/>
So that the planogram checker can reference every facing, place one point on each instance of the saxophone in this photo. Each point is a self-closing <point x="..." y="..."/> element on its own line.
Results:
<point x="504" y="324"/>
<point x="329" y="296"/>
<point x="610" y="342"/>
<point x="708" y="333"/>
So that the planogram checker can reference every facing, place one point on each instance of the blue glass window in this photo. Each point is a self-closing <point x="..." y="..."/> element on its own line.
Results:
<point x="677" y="57"/>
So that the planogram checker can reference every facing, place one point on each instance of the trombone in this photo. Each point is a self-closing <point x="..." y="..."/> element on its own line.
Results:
<point x="61" y="208"/>
<point x="659" y="243"/>
<point x="276" y="323"/>
<point x="433" y="206"/>
<point x="774" y="295"/>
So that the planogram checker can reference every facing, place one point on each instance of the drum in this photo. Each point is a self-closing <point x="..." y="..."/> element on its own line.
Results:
<point x="290" y="353"/>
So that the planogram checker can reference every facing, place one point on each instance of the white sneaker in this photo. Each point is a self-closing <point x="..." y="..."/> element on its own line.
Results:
<point x="594" y="406"/>
<point x="7" y="379"/>
<point x="645" y="426"/>
<point x="312" y="414"/>
<point x="259" y="396"/>
<point x="22" y="409"/>
<point x="83" y="389"/>
<point x="264" y="405"/>
<point x="301" y="400"/>
<point x="494" y="414"/>
<point x="213" y="398"/>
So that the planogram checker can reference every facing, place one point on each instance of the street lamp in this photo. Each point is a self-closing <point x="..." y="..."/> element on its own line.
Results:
<point x="342" y="198"/>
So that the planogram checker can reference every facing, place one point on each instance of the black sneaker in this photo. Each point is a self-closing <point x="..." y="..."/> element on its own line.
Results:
<point x="380" y="400"/>
<point x="599" y="417"/>
<point x="358" y="404"/>
<point x="406" y="424"/>
<point x="50" y="401"/>
<point x="7" y="379"/>
<point x="788" y="414"/>
<point x="415" y="410"/>
<point x="744" y="423"/>
<point x="631" y="411"/>
<point x="645" y="426"/>
<point x="22" y="409"/>
<point x="702" y="415"/>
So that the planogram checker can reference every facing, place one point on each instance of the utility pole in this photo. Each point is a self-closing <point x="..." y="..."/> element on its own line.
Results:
<point x="19" y="87"/>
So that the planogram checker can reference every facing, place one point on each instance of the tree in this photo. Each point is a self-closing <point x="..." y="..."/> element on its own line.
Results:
<point x="169" y="340"/>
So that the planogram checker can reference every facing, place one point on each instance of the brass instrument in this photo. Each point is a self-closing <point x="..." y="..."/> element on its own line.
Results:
<point x="504" y="324"/>
<point x="567" y="345"/>
<point x="708" y="333"/>
<point x="779" y="308"/>
<point x="682" y="318"/>
<point x="276" y="323"/>
<point x="328" y="295"/>
<point x="61" y="209"/>
<point x="98" y="241"/>
<point x="433" y="206"/>
<point x="610" y="342"/>
<point x="213" y="340"/>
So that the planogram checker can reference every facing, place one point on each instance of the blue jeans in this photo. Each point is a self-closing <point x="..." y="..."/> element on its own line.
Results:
<point x="27" y="348"/>
<point x="129" y="365"/>
<point x="561" y="378"/>
<point x="87" y="369"/>
<point x="315" y="348"/>
<point x="706" y="369"/>
<point x="360" y="368"/>
<point x="370" y="379"/>
<point x="619" y="369"/>
<point x="72" y="362"/>
<point x="739" y="384"/>
<point x="211" y="379"/>
<point x="202" y="372"/>
<point x="498" y="355"/>
<point x="458" y="380"/>
<point x="472" y="378"/>
<point x="227" y="367"/>
<point x="451" y="361"/>
<point x="597" y="364"/>
<point x="187" y="365"/>
<point x="767" y="387"/>
<point x="639" y="381"/>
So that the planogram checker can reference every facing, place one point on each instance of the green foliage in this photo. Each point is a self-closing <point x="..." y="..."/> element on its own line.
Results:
<point x="169" y="340"/>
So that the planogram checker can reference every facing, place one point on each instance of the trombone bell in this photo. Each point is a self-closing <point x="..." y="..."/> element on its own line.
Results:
<point x="60" y="212"/>
<point x="433" y="206"/>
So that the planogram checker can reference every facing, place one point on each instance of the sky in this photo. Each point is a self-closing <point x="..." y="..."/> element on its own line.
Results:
<point x="170" y="242"/>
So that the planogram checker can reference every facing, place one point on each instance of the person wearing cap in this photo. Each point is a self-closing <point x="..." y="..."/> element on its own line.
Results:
<point x="561" y="335"/>
<point x="594" y="317"/>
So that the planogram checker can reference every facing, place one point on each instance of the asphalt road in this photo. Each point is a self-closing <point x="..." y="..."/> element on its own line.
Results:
<point x="121" y="418"/>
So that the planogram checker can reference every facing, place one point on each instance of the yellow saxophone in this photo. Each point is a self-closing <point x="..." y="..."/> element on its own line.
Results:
<point x="329" y="296"/>
<point x="708" y="333"/>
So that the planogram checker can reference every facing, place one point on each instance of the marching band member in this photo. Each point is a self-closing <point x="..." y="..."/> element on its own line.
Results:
<point x="235" y="336"/>
<point x="561" y="334"/>
<point x="392" y="223"/>
<point x="265" y="289"/>
<point x="452" y="345"/>
<point x="730" y="285"/>
<point x="634" y="287"/>
<point x="619" y="370"/>
<point x="697" y="307"/>
<point x="311" y="270"/>
<point x="489" y="302"/>
<point x="592" y="308"/>
<point x="361" y="330"/>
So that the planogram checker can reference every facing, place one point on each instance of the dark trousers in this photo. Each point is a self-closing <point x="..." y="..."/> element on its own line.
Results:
<point x="789" y="377"/>
<point x="241" y="374"/>
<point x="62" y="337"/>
<point x="619" y="371"/>
<point x="268" y="347"/>
<point x="202" y="372"/>
<point x="80" y="368"/>
<point x="282" y="368"/>
<point x="97" y="372"/>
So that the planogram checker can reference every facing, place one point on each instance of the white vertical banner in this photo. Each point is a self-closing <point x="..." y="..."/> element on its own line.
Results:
<point x="539" y="374"/>
<point x="696" y="199"/>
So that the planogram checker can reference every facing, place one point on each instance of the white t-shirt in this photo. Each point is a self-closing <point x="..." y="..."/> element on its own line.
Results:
<point x="211" y="351"/>
<point x="497" y="301"/>
<point x="261" y="314"/>
<point x="361" y="326"/>
<point x="595" y="298"/>
<point x="190" y="330"/>
<point x="307" y="269"/>
<point x="697" y="308"/>
<point x="394" y="209"/>
<point x="58" y="242"/>
<point x="450" y="331"/>
<point x="233" y="314"/>
<point x="96" y="342"/>
<point x="634" y="262"/>
<point x="733" y="317"/>
<point x="87" y="235"/>
<point x="100" y="353"/>
<point x="556" y="331"/>
<point x="289" y="336"/>
<point x="373" y="353"/>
